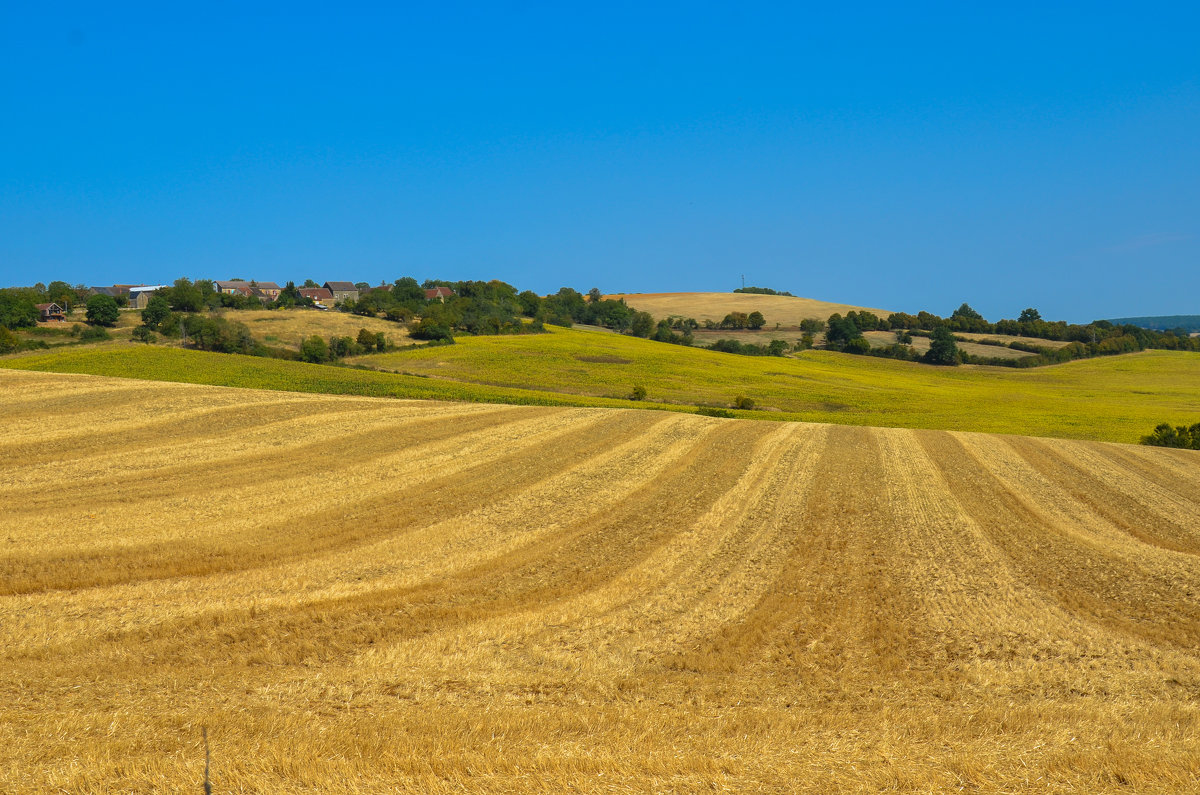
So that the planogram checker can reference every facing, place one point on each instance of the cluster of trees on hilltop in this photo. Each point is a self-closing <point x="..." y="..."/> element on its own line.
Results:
<point x="762" y="291"/>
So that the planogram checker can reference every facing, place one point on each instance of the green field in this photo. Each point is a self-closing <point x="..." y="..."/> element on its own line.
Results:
<point x="1117" y="398"/>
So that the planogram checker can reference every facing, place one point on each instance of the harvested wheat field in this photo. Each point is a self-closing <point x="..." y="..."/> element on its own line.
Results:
<point x="785" y="310"/>
<point x="370" y="595"/>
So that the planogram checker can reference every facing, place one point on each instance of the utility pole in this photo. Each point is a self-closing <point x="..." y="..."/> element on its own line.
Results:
<point x="743" y="281"/>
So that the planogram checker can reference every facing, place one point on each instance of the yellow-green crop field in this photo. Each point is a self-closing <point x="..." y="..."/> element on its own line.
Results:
<point x="1116" y="398"/>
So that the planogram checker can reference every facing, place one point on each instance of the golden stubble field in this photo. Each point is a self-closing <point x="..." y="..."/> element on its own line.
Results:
<point x="783" y="309"/>
<point x="364" y="595"/>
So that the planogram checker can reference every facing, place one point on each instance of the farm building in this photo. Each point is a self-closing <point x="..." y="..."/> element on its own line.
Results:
<point x="342" y="291"/>
<point x="48" y="312"/>
<point x="116" y="291"/>
<point x="139" y="297"/>
<point x="439" y="294"/>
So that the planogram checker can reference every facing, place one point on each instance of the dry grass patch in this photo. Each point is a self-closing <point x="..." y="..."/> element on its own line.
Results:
<point x="366" y="595"/>
<point x="782" y="309"/>
<point x="287" y="328"/>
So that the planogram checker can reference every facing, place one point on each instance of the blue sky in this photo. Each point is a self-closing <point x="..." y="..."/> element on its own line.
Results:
<point x="906" y="156"/>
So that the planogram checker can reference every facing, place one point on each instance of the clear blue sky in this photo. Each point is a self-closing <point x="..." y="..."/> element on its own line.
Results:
<point x="906" y="156"/>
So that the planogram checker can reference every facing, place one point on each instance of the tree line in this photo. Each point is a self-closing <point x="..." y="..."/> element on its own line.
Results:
<point x="1181" y="436"/>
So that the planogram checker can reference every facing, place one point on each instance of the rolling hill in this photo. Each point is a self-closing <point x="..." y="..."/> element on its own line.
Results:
<point x="1116" y="398"/>
<point x="782" y="309"/>
<point x="364" y="595"/>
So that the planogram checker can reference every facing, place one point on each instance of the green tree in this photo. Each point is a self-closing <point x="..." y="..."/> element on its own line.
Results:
<point x="755" y="320"/>
<point x="17" y="311"/>
<point x="641" y="325"/>
<point x="530" y="303"/>
<point x="102" y="310"/>
<point x="366" y="340"/>
<point x="157" y="310"/>
<point x="840" y="331"/>
<point x="1030" y="315"/>
<point x="858" y="345"/>
<point x="184" y="296"/>
<point x="942" y="348"/>
<point x="61" y="293"/>
<point x="314" y="350"/>
<point x="735" y="320"/>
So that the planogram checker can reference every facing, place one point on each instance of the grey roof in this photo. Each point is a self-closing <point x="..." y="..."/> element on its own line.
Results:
<point x="340" y="285"/>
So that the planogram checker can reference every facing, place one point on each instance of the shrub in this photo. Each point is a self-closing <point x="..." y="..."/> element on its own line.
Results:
<point x="144" y="334"/>
<point x="9" y="342"/>
<point x="743" y="402"/>
<point x="94" y="333"/>
<point x="1179" y="436"/>
<point x="711" y="411"/>
<point x="638" y="393"/>
<point x="858" y="345"/>
<point x="314" y="350"/>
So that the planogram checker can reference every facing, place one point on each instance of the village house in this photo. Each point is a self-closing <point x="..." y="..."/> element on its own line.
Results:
<point x="439" y="294"/>
<point x="320" y="295"/>
<point x="234" y="287"/>
<point x="49" y="312"/>
<point x="268" y="291"/>
<point x="139" y="297"/>
<point x="342" y="291"/>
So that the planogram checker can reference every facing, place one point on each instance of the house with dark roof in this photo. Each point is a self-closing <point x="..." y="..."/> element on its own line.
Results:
<point x="48" y="312"/>
<point x="236" y="286"/>
<point x="116" y="291"/>
<point x="342" y="291"/>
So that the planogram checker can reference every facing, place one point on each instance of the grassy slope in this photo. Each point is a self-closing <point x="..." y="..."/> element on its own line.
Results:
<point x="1113" y="399"/>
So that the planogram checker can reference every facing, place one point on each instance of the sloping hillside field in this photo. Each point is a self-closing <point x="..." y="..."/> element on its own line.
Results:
<point x="783" y="309"/>
<point x="370" y="595"/>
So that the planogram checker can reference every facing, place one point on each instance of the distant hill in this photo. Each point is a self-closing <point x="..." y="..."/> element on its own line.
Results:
<point x="782" y="309"/>
<point x="1161" y="322"/>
